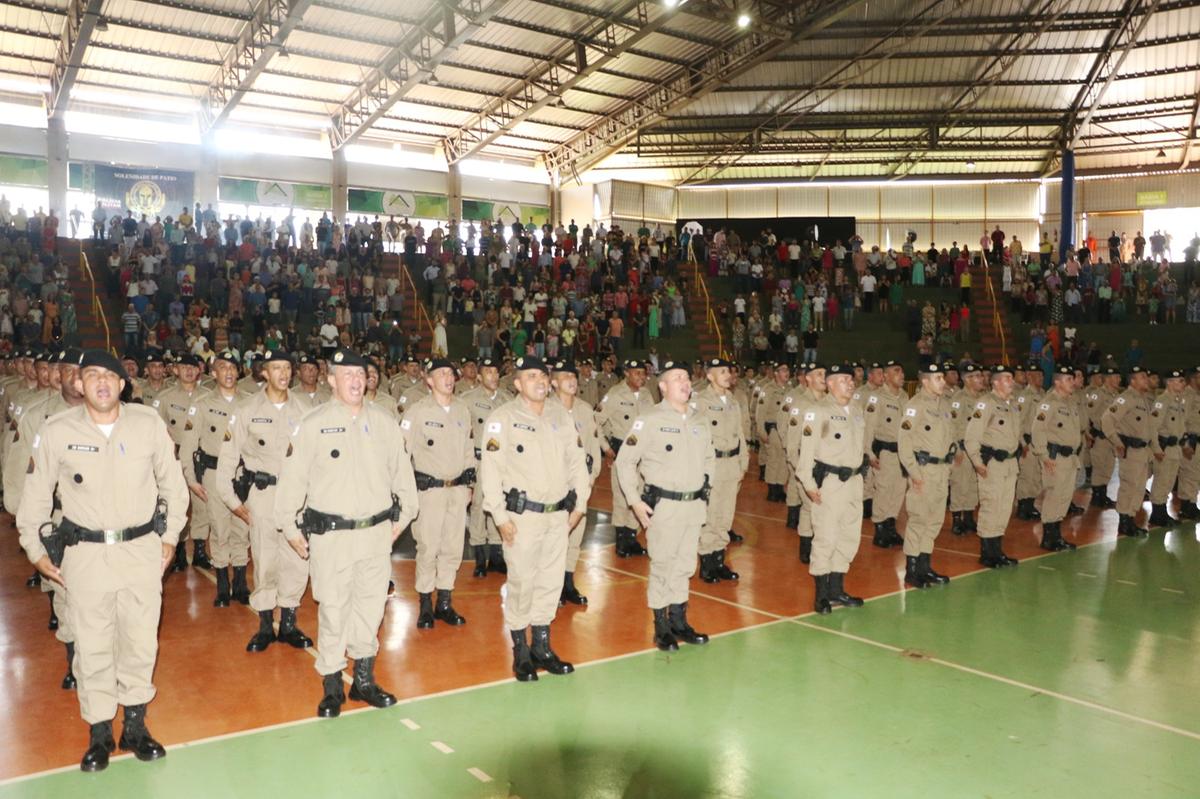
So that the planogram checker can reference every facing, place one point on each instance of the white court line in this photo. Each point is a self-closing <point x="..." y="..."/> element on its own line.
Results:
<point x="1126" y="582"/>
<point x="1086" y="574"/>
<point x="412" y="725"/>
<point x="1172" y="590"/>
<point x="445" y="749"/>
<point x="1009" y="681"/>
<point x="479" y="774"/>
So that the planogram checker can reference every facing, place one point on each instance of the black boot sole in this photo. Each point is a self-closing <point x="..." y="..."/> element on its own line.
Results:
<point x="146" y="756"/>
<point x="385" y="701"/>
<point x="300" y="641"/>
<point x="259" y="643"/>
<point x="667" y="646"/>
<point x="453" y="621"/>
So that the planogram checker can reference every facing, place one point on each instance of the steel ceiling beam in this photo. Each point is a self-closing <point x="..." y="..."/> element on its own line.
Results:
<point x="717" y="66"/>
<point x="1191" y="134"/>
<point x="414" y="60"/>
<point x="82" y="16"/>
<point x="262" y="38"/>
<point x="601" y="44"/>
<point x="950" y="53"/>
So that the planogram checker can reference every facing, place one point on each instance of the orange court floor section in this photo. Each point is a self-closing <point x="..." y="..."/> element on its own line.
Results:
<point x="208" y="684"/>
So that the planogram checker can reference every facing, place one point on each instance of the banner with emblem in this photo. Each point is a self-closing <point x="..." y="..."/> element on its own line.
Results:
<point x="153" y="192"/>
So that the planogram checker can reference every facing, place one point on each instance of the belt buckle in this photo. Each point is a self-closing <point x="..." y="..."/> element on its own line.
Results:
<point x="362" y="524"/>
<point x="112" y="537"/>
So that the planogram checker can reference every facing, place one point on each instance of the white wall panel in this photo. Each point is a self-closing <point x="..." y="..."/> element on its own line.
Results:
<point x="748" y="203"/>
<point x="577" y="203"/>
<point x="1012" y="201"/>
<point x="857" y="201"/>
<point x="627" y="199"/>
<point x="702" y="205"/>
<point x="946" y="233"/>
<point x="659" y="203"/>
<point x="603" y="200"/>
<point x="473" y="186"/>
<point x="958" y="202"/>
<point x="871" y="233"/>
<point x="19" y="140"/>
<point x="804" y="201"/>
<point x="907" y="202"/>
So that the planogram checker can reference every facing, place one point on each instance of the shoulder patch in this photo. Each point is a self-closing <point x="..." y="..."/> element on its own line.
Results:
<point x="906" y="425"/>
<point x="631" y="441"/>
<point x="494" y="427"/>
<point x="979" y="406"/>
<point x="493" y="445"/>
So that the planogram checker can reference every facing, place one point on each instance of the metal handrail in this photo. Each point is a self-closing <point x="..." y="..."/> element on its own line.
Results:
<point x="996" y="317"/>
<point x="710" y="316"/>
<point x="85" y="269"/>
<point x="416" y="295"/>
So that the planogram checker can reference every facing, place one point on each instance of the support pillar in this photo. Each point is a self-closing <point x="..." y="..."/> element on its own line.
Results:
<point x="207" y="187"/>
<point x="56" y="171"/>
<point x="341" y="185"/>
<point x="1066" y="235"/>
<point x="454" y="192"/>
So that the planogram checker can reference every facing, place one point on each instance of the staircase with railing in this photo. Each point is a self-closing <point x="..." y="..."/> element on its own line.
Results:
<point x="414" y="314"/>
<point x="90" y="299"/>
<point x="710" y="339"/>
<point x="988" y="314"/>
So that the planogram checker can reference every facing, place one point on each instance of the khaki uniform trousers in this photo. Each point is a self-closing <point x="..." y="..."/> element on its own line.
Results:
<point x="198" y="523"/>
<point x="622" y="516"/>
<point x="1060" y="488"/>
<point x="672" y="542"/>
<point x="350" y="571"/>
<point x="574" y="547"/>
<point x="536" y="563"/>
<point x="926" y="509"/>
<point x="279" y="573"/>
<point x="1133" y="472"/>
<point x="1165" y="472"/>
<point x="837" y="525"/>
<point x="438" y="531"/>
<point x="964" y="485"/>
<point x="1189" y="478"/>
<point x="1103" y="461"/>
<point x="889" y="488"/>
<point x="59" y="600"/>
<point x="996" y="497"/>
<point x="1029" y="476"/>
<point x="869" y="486"/>
<point x="481" y="527"/>
<point x="229" y="537"/>
<point x="115" y="601"/>
<point x="722" y="504"/>
<point x="775" y="459"/>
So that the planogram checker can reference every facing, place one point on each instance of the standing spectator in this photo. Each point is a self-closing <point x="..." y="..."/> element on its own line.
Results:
<point x="867" y="284"/>
<point x="812" y="340"/>
<point x="131" y="325"/>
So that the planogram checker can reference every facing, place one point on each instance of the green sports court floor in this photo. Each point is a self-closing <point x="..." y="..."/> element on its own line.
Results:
<point x="1073" y="675"/>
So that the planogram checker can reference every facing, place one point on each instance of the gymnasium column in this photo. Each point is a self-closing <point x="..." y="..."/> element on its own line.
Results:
<point x="1066" y="233"/>
<point x="454" y="192"/>
<point x="208" y="175"/>
<point x="56" y="171"/>
<point x="341" y="185"/>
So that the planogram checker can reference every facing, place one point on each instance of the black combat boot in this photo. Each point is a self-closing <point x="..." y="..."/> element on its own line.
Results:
<point x="989" y="553"/>
<point x="543" y="655"/>
<point x="893" y="537"/>
<point x="523" y="668"/>
<point x="805" y="548"/>
<point x="913" y="574"/>
<point x="331" y="703"/>
<point x="1074" y="510"/>
<point x="627" y="543"/>
<point x="882" y="539"/>
<point x="445" y="612"/>
<point x="793" y="517"/>
<point x="1052" y="539"/>
<point x="1159" y="516"/>
<point x="1005" y="560"/>
<point x="821" y="603"/>
<point x="1026" y="510"/>
<point x="958" y="525"/>
<point x="496" y="559"/>
<point x="836" y="592"/>
<point x="677" y="614"/>
<point x="969" y="519"/>
<point x="425" y="614"/>
<point x="569" y="592"/>
<point x="762" y="472"/>
<point x="289" y="633"/>
<point x="723" y="571"/>
<point x="68" y="680"/>
<point x="927" y="570"/>
<point x="708" y="568"/>
<point x="266" y="632"/>
<point x="200" y="555"/>
<point x="180" y="563"/>
<point x="1189" y="510"/>
<point x="100" y="746"/>
<point x="136" y="738"/>
<point x="1127" y="526"/>
<point x="868" y="505"/>
<point x="52" y="622"/>
<point x="480" y="560"/>
<point x="1100" y="498"/>
<point x="222" y="600"/>
<point x="734" y="538"/>
<point x="663" y="639"/>
<point x="365" y="689"/>
<point x="241" y="591"/>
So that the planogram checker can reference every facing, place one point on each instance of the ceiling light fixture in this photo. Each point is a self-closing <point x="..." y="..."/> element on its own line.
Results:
<point x="743" y="19"/>
<point x="971" y="166"/>
<point x="101" y="24"/>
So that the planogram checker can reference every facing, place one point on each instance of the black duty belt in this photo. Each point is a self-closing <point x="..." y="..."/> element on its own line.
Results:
<point x="260" y="480"/>
<point x="75" y="534"/>
<point x="998" y="455"/>
<point x="1168" y="441"/>
<point x="206" y="460"/>
<point x="478" y="453"/>
<point x="1061" y="451"/>
<point x="516" y="501"/>
<point x="427" y="481"/>
<point x="729" y="453"/>
<point x="925" y="459"/>
<point x="614" y="444"/>
<point x="1134" y="443"/>
<point x="821" y="470"/>
<point x="677" y="496"/>
<point x="314" y="522"/>
<point x="769" y="427"/>
<point x="878" y="446"/>
<point x="1097" y="432"/>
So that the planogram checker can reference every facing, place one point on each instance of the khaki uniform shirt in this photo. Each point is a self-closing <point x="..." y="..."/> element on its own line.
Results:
<point x="346" y="465"/>
<point x="481" y="403"/>
<point x="321" y="395"/>
<point x="1055" y="421"/>
<point x="770" y="400"/>
<point x="589" y="390"/>
<point x="105" y="482"/>
<point x="410" y="397"/>
<point x="172" y="405"/>
<point x="668" y="450"/>
<point x="439" y="439"/>
<point x="540" y="455"/>
<point x="927" y="427"/>
<point x="962" y="404"/>
<point x="619" y="408"/>
<point x="725" y="425"/>
<point x="20" y="449"/>
<point x="584" y="417"/>
<point x="205" y="428"/>
<point x="1129" y="415"/>
<point x="883" y="409"/>
<point x="260" y="435"/>
<point x="993" y="422"/>
<point x="1170" y="413"/>
<point x="831" y="434"/>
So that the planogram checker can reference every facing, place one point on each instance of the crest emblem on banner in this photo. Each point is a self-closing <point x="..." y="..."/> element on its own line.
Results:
<point x="145" y="197"/>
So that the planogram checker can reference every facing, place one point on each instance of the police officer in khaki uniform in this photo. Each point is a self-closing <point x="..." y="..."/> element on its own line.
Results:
<point x="115" y="471"/>
<point x="589" y="387"/>
<point x="437" y="432"/>
<point x="1129" y="425"/>
<point x="409" y="376"/>
<point x="621" y="405"/>
<point x="1103" y="455"/>
<point x="771" y="452"/>
<point x="883" y="411"/>
<point x="310" y="390"/>
<point x="1056" y="442"/>
<point x="155" y="382"/>
<point x="1166" y="444"/>
<point x="874" y="382"/>
<point x="992" y="440"/>
<point x="199" y="445"/>
<point x="669" y="450"/>
<point x="927" y="448"/>
<point x="482" y="534"/>
<point x="16" y="467"/>
<point x="1029" y="472"/>
<point x="607" y="377"/>
<point x="964" y="482"/>
<point x="535" y="485"/>
<point x="718" y="404"/>
<point x="831" y="469"/>
<point x="345" y="494"/>
<point x="172" y="405"/>
<point x="380" y="399"/>
<point x="254" y="379"/>
<point x="252" y="453"/>
<point x="564" y="381"/>
<point x="811" y="391"/>
<point x="409" y="396"/>
<point x="1189" y="468"/>
<point x="468" y="375"/>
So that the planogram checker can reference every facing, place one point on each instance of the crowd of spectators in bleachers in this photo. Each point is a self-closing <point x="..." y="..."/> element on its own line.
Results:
<point x="37" y="307"/>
